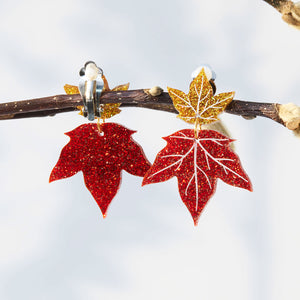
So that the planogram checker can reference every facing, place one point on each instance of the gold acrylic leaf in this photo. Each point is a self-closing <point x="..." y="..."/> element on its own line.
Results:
<point x="200" y="105"/>
<point x="122" y="87"/>
<point x="71" y="89"/>
<point x="109" y="109"/>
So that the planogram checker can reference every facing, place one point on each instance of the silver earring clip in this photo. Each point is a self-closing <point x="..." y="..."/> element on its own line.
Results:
<point x="91" y="86"/>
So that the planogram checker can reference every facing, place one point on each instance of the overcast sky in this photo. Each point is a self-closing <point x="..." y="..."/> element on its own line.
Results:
<point x="54" y="242"/>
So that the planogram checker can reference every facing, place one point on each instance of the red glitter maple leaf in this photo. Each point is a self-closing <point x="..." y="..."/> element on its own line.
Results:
<point x="197" y="163"/>
<point x="101" y="156"/>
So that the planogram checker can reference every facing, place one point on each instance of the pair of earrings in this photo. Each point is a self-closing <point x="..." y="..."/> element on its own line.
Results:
<point x="196" y="157"/>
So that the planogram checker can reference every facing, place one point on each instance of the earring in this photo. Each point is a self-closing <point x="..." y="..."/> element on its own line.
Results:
<point x="197" y="157"/>
<point x="102" y="150"/>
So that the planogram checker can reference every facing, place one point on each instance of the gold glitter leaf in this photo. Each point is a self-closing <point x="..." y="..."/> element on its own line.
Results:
<point x="200" y="105"/>
<point x="71" y="89"/>
<point x="122" y="87"/>
<point x="110" y="109"/>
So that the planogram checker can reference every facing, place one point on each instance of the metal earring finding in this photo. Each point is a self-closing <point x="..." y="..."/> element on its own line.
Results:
<point x="91" y="86"/>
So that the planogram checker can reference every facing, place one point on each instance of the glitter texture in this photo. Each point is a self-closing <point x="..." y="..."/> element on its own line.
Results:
<point x="197" y="163"/>
<point x="110" y="109"/>
<point x="101" y="157"/>
<point x="199" y="106"/>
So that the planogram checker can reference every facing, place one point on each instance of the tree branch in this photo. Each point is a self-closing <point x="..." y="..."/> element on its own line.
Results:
<point x="49" y="106"/>
<point x="289" y="10"/>
<point x="278" y="4"/>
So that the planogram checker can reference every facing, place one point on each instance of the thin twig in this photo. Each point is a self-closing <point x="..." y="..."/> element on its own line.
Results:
<point x="49" y="106"/>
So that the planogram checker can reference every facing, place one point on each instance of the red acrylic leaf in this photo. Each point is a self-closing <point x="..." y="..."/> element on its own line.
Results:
<point x="101" y="157"/>
<point x="197" y="163"/>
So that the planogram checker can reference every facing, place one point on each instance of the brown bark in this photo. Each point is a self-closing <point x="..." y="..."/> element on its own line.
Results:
<point x="290" y="11"/>
<point x="278" y="4"/>
<point x="49" y="106"/>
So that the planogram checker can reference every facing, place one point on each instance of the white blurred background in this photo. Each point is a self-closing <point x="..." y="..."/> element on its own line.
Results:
<point x="54" y="243"/>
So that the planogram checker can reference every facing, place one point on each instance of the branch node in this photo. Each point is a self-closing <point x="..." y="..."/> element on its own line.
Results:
<point x="249" y="117"/>
<point x="291" y="14"/>
<point x="154" y="91"/>
<point x="290" y="115"/>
